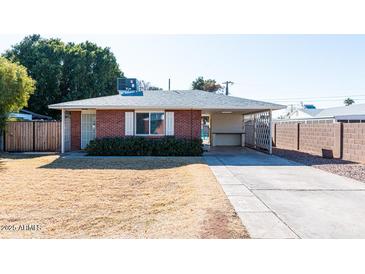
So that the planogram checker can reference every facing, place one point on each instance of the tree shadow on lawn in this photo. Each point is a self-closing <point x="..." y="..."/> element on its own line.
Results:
<point x="5" y="156"/>
<point x="22" y="155"/>
<point x="127" y="163"/>
<point x="2" y="164"/>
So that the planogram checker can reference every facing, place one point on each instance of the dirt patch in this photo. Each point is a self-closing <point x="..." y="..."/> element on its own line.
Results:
<point x="337" y="166"/>
<point x="218" y="225"/>
<point x="113" y="198"/>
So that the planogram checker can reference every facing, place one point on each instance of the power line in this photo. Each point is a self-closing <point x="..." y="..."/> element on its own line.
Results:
<point x="315" y="98"/>
<point x="328" y="100"/>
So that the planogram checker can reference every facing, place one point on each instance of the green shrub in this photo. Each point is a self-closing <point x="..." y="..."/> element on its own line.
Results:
<point x="141" y="146"/>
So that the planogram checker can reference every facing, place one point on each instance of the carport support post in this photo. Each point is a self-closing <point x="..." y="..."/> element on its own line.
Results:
<point x="63" y="131"/>
<point x="270" y="126"/>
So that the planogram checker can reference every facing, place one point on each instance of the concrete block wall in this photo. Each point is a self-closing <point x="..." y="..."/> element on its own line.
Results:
<point x="354" y="142"/>
<point x="286" y="135"/>
<point x="341" y="140"/>
<point x="315" y="138"/>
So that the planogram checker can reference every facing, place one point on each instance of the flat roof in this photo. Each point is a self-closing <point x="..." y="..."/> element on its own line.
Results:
<point x="170" y="99"/>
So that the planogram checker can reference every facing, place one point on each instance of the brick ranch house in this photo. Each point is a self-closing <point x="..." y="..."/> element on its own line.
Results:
<point x="167" y="113"/>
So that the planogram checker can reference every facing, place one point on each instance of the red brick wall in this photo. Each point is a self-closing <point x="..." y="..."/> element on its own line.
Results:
<point x="75" y="130"/>
<point x="354" y="142"/>
<point x="286" y="135"/>
<point x="110" y="123"/>
<point x="187" y="123"/>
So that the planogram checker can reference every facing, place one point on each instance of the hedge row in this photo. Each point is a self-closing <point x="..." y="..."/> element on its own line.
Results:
<point x="141" y="146"/>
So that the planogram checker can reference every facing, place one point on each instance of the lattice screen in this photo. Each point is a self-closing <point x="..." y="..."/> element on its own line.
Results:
<point x="249" y="129"/>
<point x="258" y="130"/>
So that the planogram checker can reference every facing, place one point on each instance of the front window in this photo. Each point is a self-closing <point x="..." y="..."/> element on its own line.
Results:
<point x="150" y="123"/>
<point x="142" y="123"/>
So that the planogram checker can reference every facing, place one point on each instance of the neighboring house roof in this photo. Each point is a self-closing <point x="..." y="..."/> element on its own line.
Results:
<point x="22" y="116"/>
<point x="352" y="112"/>
<point x="303" y="113"/>
<point x="355" y="110"/>
<point x="311" y="112"/>
<point x="173" y="99"/>
<point x="28" y="115"/>
<point x="36" y="116"/>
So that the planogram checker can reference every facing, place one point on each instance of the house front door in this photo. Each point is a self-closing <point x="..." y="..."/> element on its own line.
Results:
<point x="88" y="128"/>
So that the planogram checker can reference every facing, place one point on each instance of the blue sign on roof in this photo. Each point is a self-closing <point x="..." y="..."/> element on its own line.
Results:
<point x="129" y="87"/>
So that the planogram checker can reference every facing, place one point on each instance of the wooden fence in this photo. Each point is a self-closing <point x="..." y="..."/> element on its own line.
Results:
<point x="33" y="136"/>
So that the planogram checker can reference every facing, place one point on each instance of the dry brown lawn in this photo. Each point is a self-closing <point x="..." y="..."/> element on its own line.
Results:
<point x="113" y="198"/>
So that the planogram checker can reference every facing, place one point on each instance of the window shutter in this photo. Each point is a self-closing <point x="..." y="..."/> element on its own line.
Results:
<point x="169" y="123"/>
<point x="129" y="123"/>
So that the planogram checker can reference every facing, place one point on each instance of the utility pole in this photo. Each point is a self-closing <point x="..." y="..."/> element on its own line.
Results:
<point x="227" y="83"/>
<point x="169" y="83"/>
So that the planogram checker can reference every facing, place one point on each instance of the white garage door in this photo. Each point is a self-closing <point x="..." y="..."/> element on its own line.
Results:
<point x="222" y="139"/>
<point x="227" y="129"/>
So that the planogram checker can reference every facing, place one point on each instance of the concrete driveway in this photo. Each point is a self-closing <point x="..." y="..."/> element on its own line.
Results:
<point x="277" y="198"/>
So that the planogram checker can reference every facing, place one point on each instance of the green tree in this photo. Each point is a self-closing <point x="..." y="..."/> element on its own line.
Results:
<point x="209" y="85"/>
<point x="89" y="71"/>
<point x="348" y="101"/>
<point x="15" y="88"/>
<point x="65" y="71"/>
<point x="198" y="83"/>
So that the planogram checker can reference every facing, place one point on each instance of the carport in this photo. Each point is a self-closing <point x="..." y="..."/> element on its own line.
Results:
<point x="244" y="127"/>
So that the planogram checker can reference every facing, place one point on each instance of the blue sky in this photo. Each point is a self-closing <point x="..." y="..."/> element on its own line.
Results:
<point x="287" y="69"/>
